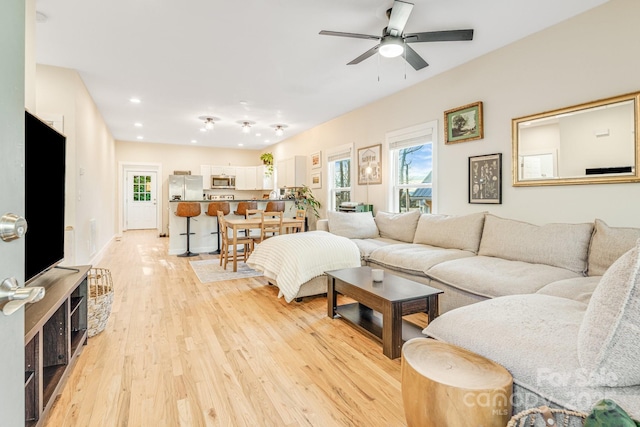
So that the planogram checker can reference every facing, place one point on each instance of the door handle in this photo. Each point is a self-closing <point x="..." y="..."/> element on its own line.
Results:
<point x="17" y="296"/>
<point x="12" y="227"/>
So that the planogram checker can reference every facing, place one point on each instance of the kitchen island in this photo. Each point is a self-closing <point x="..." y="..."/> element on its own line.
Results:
<point x="201" y="240"/>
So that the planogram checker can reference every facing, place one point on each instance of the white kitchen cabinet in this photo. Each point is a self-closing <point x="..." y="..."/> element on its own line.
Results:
<point x="223" y="170"/>
<point x="264" y="178"/>
<point x="292" y="172"/>
<point x="205" y="171"/>
<point x="246" y="178"/>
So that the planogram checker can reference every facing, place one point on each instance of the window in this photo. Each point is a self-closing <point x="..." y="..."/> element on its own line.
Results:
<point x="411" y="151"/>
<point x="339" y="177"/>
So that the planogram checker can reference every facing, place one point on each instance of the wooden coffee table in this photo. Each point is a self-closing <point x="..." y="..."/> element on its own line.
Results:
<point x="380" y="305"/>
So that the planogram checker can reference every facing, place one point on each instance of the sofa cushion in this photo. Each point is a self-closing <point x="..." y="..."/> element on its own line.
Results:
<point x="353" y="225"/>
<point x="397" y="226"/>
<point x="367" y="246"/>
<point x="610" y="333"/>
<point x="608" y="244"/>
<point x="559" y="245"/>
<point x="412" y="258"/>
<point x="533" y="336"/>
<point x="578" y="288"/>
<point x="452" y="232"/>
<point x="493" y="277"/>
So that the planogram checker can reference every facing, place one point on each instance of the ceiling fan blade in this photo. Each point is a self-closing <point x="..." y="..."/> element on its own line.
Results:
<point x="365" y="55"/>
<point x="352" y="35"/>
<point x="439" y="36"/>
<point x="414" y="59"/>
<point x="400" y="12"/>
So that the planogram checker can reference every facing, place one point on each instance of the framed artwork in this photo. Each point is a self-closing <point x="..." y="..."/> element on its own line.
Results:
<point x="370" y="165"/>
<point x="485" y="179"/>
<point x="316" y="180"/>
<point x="463" y="124"/>
<point x="316" y="160"/>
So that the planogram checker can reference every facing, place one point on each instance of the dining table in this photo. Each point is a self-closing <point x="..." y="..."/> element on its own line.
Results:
<point x="291" y="225"/>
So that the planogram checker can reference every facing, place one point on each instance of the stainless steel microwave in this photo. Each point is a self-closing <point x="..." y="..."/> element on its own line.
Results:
<point x="223" y="181"/>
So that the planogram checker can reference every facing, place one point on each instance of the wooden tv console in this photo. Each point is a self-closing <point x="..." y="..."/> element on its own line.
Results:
<point x="55" y="333"/>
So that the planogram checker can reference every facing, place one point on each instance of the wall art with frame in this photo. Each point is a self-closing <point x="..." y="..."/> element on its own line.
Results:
<point x="316" y="160"/>
<point x="485" y="179"/>
<point x="464" y="123"/>
<point x="370" y="165"/>
<point x="316" y="180"/>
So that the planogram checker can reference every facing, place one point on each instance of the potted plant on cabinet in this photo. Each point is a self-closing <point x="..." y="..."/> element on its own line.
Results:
<point x="267" y="160"/>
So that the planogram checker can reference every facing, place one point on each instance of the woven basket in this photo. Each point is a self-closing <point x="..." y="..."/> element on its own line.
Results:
<point x="545" y="416"/>
<point x="100" y="299"/>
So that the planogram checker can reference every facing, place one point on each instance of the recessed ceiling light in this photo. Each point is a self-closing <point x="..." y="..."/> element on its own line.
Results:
<point x="193" y="141"/>
<point x="258" y="134"/>
<point x="266" y="141"/>
<point x="140" y="137"/>
<point x="243" y="102"/>
<point x="240" y="145"/>
<point x="203" y="129"/>
<point x="138" y="125"/>
<point x="135" y="100"/>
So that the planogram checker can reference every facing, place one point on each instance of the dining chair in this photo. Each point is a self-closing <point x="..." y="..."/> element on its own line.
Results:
<point x="226" y="251"/>
<point x="248" y="214"/>
<point x="272" y="228"/>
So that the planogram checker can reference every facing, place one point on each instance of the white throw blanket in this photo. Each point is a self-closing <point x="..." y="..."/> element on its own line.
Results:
<point x="293" y="259"/>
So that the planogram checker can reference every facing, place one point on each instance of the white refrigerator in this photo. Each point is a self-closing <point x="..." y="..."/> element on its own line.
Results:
<point x="185" y="187"/>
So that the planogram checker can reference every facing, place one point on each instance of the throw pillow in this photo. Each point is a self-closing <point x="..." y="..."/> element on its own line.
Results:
<point x="398" y="226"/>
<point x="450" y="232"/>
<point x="353" y="225"/>
<point x="609" y="334"/>
<point x="559" y="245"/>
<point x="608" y="244"/>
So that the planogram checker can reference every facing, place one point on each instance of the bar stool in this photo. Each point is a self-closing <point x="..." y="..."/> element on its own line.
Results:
<point x="212" y="210"/>
<point x="273" y="206"/>
<point x="242" y="207"/>
<point x="188" y="210"/>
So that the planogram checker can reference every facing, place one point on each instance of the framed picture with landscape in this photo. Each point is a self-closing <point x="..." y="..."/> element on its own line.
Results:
<point x="463" y="124"/>
<point x="485" y="179"/>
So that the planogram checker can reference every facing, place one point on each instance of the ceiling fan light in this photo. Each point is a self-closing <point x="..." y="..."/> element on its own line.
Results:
<point x="246" y="127"/>
<point x="391" y="47"/>
<point x="209" y="122"/>
<point x="279" y="129"/>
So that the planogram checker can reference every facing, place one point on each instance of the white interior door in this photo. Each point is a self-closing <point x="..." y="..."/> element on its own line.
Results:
<point x="141" y="200"/>
<point x="12" y="35"/>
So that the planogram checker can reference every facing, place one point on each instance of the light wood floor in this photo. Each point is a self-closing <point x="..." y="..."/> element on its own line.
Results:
<point x="177" y="352"/>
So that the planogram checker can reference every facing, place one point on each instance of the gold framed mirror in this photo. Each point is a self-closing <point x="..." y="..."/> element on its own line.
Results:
<point x="592" y="143"/>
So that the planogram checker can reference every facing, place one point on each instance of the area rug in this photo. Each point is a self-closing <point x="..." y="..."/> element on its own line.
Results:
<point x="209" y="270"/>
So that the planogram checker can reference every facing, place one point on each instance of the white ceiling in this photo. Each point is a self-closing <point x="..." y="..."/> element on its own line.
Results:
<point x="189" y="58"/>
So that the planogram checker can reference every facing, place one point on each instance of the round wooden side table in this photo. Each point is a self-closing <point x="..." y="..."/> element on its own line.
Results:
<point x="446" y="385"/>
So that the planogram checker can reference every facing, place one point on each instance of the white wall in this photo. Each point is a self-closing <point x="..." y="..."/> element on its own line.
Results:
<point x="586" y="58"/>
<point x="91" y="178"/>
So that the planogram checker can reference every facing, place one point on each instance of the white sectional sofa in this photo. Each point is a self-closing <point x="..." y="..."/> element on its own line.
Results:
<point x="558" y="305"/>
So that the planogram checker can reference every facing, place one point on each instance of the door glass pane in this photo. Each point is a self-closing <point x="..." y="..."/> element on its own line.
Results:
<point x="141" y="187"/>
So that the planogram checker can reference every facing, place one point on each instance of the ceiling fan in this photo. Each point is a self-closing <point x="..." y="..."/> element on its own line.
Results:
<point x="394" y="42"/>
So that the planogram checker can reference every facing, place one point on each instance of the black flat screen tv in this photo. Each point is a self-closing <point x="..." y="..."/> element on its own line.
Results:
<point x="45" y="150"/>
